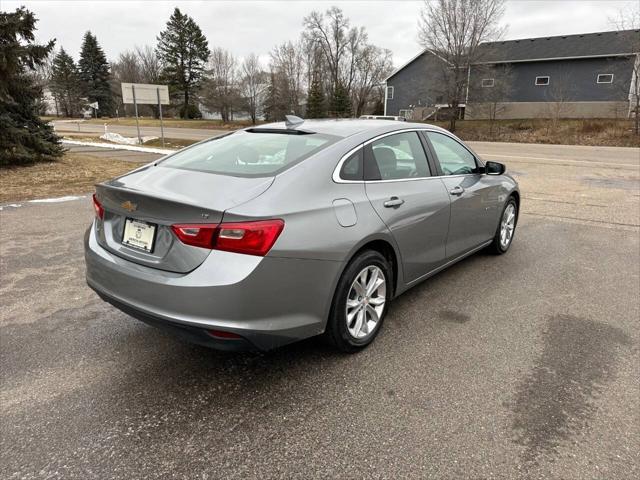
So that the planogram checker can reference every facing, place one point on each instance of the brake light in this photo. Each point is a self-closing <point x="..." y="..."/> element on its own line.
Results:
<point x="250" y="238"/>
<point x="97" y="207"/>
<point x="195" y="234"/>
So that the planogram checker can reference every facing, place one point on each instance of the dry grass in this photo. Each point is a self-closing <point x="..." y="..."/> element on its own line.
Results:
<point x="74" y="173"/>
<point x="596" y="132"/>
<point x="168" y="122"/>
<point x="175" y="143"/>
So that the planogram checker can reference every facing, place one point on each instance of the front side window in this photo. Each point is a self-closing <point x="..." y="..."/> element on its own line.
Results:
<point x="249" y="154"/>
<point x="605" y="78"/>
<point x="454" y="159"/>
<point x="542" y="80"/>
<point x="397" y="157"/>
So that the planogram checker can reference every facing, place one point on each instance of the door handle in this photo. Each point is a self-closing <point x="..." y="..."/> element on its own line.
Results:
<point x="457" y="190"/>
<point x="393" y="202"/>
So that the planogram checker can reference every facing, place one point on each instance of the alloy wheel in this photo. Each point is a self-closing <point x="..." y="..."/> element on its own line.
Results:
<point x="507" y="225"/>
<point x="365" y="301"/>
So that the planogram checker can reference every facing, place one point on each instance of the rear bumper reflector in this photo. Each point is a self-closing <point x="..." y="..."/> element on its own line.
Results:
<point x="221" y="334"/>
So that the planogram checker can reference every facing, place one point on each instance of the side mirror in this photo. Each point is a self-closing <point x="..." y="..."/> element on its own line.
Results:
<point x="494" y="168"/>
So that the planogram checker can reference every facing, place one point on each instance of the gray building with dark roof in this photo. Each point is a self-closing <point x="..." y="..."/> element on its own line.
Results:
<point x="570" y="76"/>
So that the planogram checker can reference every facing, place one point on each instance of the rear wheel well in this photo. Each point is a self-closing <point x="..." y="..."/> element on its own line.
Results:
<point x="387" y="251"/>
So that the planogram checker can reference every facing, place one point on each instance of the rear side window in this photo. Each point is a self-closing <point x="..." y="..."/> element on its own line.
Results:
<point x="249" y="154"/>
<point x="352" y="167"/>
<point x="397" y="157"/>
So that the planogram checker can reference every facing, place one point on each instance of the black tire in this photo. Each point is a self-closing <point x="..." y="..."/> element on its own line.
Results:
<point x="496" y="246"/>
<point x="337" y="332"/>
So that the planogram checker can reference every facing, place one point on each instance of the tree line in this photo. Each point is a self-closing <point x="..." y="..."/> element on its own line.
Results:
<point x="331" y="70"/>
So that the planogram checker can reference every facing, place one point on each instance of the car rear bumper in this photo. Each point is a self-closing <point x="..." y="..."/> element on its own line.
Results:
<point x="268" y="301"/>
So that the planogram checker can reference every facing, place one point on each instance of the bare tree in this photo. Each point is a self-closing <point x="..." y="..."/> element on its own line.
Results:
<point x="252" y="85"/>
<point x="453" y="30"/>
<point x="490" y="88"/>
<point x="149" y="64"/>
<point x="126" y="68"/>
<point x="220" y="89"/>
<point x="140" y="65"/>
<point x="373" y="64"/>
<point x="629" y="19"/>
<point x="559" y="94"/>
<point x="339" y="42"/>
<point x="288" y="64"/>
<point x="43" y="75"/>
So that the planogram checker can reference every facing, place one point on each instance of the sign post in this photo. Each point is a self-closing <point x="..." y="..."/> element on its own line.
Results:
<point x="135" y="107"/>
<point x="146" y="94"/>
<point x="160" y="111"/>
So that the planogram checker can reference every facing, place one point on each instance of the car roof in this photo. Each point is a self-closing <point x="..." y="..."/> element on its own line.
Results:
<point x="346" y="127"/>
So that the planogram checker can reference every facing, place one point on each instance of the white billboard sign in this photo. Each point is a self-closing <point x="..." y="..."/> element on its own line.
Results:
<point x="145" y="93"/>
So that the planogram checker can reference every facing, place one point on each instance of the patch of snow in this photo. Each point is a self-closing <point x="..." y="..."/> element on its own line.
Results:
<point x="113" y="146"/>
<point x="68" y="198"/>
<point x="11" y="205"/>
<point x="122" y="140"/>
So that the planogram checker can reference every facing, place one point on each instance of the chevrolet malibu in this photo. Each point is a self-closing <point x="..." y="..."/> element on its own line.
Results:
<point x="277" y="233"/>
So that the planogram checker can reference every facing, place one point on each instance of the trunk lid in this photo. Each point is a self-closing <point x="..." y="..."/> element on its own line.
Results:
<point x="164" y="196"/>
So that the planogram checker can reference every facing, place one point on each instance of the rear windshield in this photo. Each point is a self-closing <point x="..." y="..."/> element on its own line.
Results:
<point x="249" y="154"/>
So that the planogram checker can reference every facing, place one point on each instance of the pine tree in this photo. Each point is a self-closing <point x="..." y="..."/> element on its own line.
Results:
<point x="94" y="74"/>
<point x="340" y="102"/>
<point x="24" y="138"/>
<point x="316" y="102"/>
<point x="275" y="104"/>
<point x="65" y="82"/>
<point x="183" y="50"/>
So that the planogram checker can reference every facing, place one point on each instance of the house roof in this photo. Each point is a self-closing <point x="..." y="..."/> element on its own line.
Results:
<point x="602" y="44"/>
<point x="413" y="59"/>
<point x="584" y="45"/>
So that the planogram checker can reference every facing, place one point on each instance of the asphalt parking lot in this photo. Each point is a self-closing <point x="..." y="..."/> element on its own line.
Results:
<point x="519" y="366"/>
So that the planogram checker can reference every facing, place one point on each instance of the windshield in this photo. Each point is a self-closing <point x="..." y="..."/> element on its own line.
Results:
<point x="249" y="154"/>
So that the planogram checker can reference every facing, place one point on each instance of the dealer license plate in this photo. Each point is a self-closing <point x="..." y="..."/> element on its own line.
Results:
<point x="139" y="235"/>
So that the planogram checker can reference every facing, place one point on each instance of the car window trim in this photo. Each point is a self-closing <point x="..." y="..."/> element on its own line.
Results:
<point x="421" y="133"/>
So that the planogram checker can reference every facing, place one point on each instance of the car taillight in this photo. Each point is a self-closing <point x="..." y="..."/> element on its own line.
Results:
<point x="97" y="207"/>
<point x="196" y="234"/>
<point x="250" y="238"/>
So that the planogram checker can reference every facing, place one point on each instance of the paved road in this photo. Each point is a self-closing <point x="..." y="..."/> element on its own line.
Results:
<point x="519" y="366"/>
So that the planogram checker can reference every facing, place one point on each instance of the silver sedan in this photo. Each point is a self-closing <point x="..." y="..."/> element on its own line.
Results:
<point x="277" y="233"/>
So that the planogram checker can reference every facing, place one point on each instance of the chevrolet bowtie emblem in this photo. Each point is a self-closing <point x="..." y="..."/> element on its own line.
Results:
<point x="129" y="206"/>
